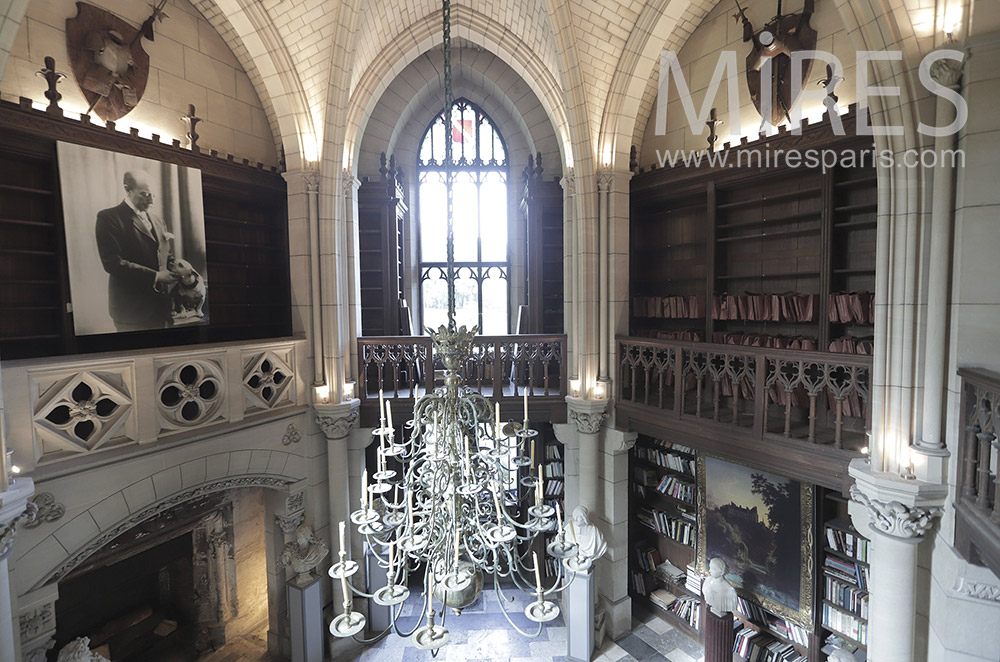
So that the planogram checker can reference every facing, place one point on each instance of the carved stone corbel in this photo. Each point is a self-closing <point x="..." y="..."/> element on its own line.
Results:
<point x="337" y="420"/>
<point x="894" y="518"/>
<point x="48" y="510"/>
<point x="288" y="523"/>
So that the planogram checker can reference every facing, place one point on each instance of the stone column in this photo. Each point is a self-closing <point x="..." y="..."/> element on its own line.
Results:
<point x="15" y="511"/>
<point x="336" y="422"/>
<point x="588" y="416"/>
<point x="604" y="180"/>
<point x="896" y="514"/>
<point x="930" y="445"/>
<point x="570" y="292"/>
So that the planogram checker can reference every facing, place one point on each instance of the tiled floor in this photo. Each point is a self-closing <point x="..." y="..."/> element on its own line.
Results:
<point x="482" y="634"/>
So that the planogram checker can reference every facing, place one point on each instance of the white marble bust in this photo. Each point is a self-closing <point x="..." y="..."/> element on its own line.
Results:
<point x="592" y="545"/>
<point x="303" y="554"/>
<point x="719" y="594"/>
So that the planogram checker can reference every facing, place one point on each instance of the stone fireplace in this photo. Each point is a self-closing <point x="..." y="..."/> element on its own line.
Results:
<point x="172" y="588"/>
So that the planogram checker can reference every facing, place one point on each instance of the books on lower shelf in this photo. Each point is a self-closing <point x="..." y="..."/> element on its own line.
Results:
<point x="693" y="580"/>
<point x="553" y="487"/>
<point x="834" y="642"/>
<point x="847" y="596"/>
<point x="762" y="647"/>
<point x="847" y="543"/>
<point x="852" y="573"/>
<point x="552" y="452"/>
<point x="554" y="470"/>
<point x="775" y="624"/>
<point x="662" y="598"/>
<point x="845" y="624"/>
<point x="681" y="529"/>
<point x="688" y="609"/>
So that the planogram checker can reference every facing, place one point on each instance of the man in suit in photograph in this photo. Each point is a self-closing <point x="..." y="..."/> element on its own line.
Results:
<point x="135" y="251"/>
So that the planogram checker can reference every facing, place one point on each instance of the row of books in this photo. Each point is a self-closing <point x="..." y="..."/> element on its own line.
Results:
<point x="662" y="598"/>
<point x="667" y="572"/>
<point x="551" y="566"/>
<point x="688" y="609"/>
<point x="552" y="452"/>
<point x="847" y="596"/>
<point x="668" y="460"/>
<point x="649" y="558"/>
<point x="553" y="488"/>
<point x="639" y="583"/>
<point x="847" y="543"/>
<point x="845" y="624"/>
<point x="756" y="646"/>
<point x="672" y="307"/>
<point x="858" y="307"/>
<point x="852" y="573"/>
<point x="786" y="307"/>
<point x="693" y="579"/>
<point x="554" y="470"/>
<point x="780" y="626"/>
<point x="677" y="488"/>
<point x="681" y="529"/>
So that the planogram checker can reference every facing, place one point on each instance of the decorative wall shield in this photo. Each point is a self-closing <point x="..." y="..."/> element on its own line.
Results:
<point x="773" y="45"/>
<point x="108" y="60"/>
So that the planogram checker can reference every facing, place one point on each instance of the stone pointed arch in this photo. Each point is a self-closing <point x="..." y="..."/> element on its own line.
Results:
<point x="66" y="547"/>
<point x="420" y="37"/>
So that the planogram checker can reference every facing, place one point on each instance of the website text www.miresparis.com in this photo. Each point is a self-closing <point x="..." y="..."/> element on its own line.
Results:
<point x="824" y="159"/>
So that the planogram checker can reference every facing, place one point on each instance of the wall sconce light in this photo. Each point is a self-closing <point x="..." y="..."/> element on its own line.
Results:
<point x="574" y="388"/>
<point x="348" y="391"/>
<point x="322" y="393"/>
<point x="601" y="390"/>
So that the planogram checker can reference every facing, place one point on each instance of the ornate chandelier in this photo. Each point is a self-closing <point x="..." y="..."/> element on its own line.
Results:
<point x="451" y="513"/>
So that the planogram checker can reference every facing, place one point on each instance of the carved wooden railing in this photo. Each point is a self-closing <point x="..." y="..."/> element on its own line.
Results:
<point x="977" y="502"/>
<point x="821" y="398"/>
<point x="501" y="367"/>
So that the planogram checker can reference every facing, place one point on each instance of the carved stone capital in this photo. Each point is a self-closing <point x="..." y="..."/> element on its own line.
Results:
<point x="896" y="519"/>
<point x="605" y="179"/>
<point x="568" y="182"/>
<point x="587" y="415"/>
<point x="311" y="179"/>
<point x="947" y="72"/>
<point x="288" y="523"/>
<point x="348" y="183"/>
<point x="48" y="510"/>
<point x="337" y="420"/>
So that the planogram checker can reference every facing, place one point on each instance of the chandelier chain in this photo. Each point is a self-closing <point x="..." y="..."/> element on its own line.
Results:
<point x="449" y="173"/>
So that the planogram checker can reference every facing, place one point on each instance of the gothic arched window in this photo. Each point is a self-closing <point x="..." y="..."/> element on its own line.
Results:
<point x="482" y="258"/>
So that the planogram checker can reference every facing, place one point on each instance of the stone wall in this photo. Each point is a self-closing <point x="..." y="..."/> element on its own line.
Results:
<point x="189" y="64"/>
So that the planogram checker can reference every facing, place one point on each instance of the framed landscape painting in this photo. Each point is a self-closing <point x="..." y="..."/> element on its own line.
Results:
<point x="761" y="525"/>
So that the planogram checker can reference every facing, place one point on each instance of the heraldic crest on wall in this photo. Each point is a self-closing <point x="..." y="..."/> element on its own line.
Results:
<point x="108" y="60"/>
<point x="772" y="48"/>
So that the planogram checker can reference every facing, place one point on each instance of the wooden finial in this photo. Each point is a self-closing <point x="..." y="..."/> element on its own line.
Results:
<point x="53" y="78"/>
<point x="192" y="135"/>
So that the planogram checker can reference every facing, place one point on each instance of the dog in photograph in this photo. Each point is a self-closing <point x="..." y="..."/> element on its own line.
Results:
<point x="188" y="294"/>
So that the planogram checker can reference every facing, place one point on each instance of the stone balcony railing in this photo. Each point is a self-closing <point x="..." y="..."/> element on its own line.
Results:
<point x="977" y="502"/>
<point x="817" y="403"/>
<point x="501" y="368"/>
<point x="75" y="407"/>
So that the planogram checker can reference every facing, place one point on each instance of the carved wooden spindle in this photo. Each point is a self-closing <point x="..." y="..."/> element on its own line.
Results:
<point x="53" y="78"/>
<point x="191" y="120"/>
<point x="969" y="481"/>
<point x="382" y="170"/>
<point x="986" y="440"/>
<point x="717" y="396"/>
<point x="838" y="424"/>
<point x="995" y="515"/>
<point x="699" y="384"/>
<point x="788" y="410"/>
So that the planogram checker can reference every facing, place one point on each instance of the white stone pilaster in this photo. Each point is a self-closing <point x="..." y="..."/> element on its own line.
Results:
<point x="896" y="514"/>
<point x="15" y="511"/>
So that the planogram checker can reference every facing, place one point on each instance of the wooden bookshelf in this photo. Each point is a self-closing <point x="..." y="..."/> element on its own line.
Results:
<point x="701" y="231"/>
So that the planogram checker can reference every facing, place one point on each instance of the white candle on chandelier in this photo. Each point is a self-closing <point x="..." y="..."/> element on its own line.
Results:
<point x="496" y="429"/>
<point x="409" y="509"/>
<point x="392" y="564"/>
<point x="342" y="545"/>
<point x="364" y="491"/>
<point x="468" y="467"/>
<point x="381" y="406"/>
<point x="538" y="573"/>
<point x="388" y="418"/>
<point x="558" y="518"/>
<point x="496" y="502"/>
<point x="525" y="404"/>
<point x="541" y="482"/>
<point x="532" y="452"/>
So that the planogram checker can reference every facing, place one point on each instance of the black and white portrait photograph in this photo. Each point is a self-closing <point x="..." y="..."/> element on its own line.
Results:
<point x="135" y="238"/>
